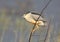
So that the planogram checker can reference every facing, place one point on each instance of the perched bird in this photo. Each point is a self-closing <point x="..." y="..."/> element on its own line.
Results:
<point x="32" y="17"/>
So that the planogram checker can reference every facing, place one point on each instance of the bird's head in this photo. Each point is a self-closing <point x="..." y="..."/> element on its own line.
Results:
<point x="24" y="16"/>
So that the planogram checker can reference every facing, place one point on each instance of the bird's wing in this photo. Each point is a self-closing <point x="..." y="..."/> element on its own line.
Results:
<point x="35" y="13"/>
<point x="35" y="16"/>
<point x="29" y="18"/>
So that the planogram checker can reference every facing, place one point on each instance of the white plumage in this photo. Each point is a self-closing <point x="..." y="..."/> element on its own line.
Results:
<point x="32" y="17"/>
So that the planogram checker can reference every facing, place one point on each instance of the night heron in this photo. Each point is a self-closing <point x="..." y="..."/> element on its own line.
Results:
<point x="32" y="17"/>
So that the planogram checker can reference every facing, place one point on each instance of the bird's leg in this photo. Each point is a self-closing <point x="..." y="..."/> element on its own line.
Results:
<point x="37" y="25"/>
<point x="36" y="28"/>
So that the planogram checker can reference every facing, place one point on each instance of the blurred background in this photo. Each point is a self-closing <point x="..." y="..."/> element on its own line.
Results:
<point x="13" y="28"/>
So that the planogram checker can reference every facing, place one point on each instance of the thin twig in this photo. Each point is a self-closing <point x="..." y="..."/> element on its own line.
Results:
<point x="48" y="31"/>
<point x="37" y="20"/>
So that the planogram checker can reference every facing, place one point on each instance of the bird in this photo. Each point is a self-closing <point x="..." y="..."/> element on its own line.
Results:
<point x="31" y="17"/>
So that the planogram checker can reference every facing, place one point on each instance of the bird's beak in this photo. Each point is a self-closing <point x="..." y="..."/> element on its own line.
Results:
<point x="23" y="15"/>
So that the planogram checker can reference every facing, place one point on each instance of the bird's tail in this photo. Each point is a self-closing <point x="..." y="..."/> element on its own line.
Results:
<point x="41" y="23"/>
<point x="38" y="24"/>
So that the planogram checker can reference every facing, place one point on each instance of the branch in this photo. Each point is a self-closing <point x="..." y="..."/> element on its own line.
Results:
<point x="37" y="20"/>
<point x="48" y="31"/>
